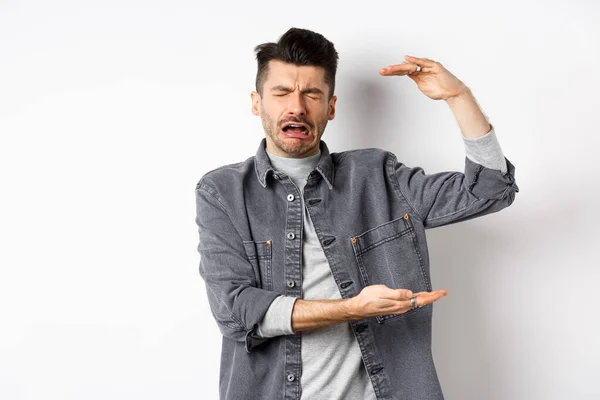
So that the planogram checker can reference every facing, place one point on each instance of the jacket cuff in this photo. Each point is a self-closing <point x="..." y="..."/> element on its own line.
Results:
<point x="253" y="339"/>
<point x="492" y="184"/>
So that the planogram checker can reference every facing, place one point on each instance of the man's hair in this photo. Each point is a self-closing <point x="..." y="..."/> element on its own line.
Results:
<point x="298" y="47"/>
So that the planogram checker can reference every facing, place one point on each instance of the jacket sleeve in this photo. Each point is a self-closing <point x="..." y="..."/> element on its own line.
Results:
<point x="236" y="303"/>
<point x="448" y="197"/>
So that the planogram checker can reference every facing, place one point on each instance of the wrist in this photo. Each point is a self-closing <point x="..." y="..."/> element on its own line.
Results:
<point x="349" y="310"/>
<point x="462" y="94"/>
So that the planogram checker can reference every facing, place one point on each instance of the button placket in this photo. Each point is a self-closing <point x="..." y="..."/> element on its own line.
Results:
<point x="294" y="226"/>
<point x="292" y="256"/>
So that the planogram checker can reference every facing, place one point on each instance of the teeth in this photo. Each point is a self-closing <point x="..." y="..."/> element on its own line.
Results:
<point x="304" y="129"/>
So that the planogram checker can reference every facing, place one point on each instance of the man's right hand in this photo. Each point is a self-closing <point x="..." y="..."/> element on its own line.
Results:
<point x="371" y="301"/>
<point x="377" y="300"/>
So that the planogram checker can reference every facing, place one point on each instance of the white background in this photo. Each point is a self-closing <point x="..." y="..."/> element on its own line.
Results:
<point x="111" y="111"/>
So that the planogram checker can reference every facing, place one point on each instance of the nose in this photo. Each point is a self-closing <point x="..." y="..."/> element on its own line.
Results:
<point x="297" y="104"/>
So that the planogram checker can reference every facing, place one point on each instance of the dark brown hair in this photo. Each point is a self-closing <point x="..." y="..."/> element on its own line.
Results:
<point x="299" y="47"/>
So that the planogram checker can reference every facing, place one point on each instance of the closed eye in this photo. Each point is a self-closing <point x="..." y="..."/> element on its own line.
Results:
<point x="311" y="92"/>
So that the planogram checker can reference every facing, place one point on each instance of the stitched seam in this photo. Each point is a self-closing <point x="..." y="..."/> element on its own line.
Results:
<point x="238" y="321"/>
<point x="234" y="317"/>
<point x="232" y="326"/>
<point x="256" y="171"/>
<point x="397" y="187"/>
<point x="225" y="323"/>
<point x="387" y="317"/>
<point x="457" y="211"/>
<point x="206" y="189"/>
<point x="332" y="174"/>
<point x="380" y="225"/>
<point x="421" y="263"/>
<point x="382" y="241"/>
<point x="238" y="328"/>
<point x="258" y="174"/>
<point x="361" y="266"/>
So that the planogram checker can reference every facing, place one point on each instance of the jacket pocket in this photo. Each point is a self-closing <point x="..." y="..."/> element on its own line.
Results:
<point x="389" y="254"/>
<point x="259" y="255"/>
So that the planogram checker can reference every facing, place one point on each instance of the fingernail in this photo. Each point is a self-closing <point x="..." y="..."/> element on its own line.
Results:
<point x="409" y="293"/>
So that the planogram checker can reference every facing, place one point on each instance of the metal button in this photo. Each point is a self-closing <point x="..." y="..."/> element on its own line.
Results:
<point x="291" y="377"/>
<point x="291" y="235"/>
<point x="291" y="283"/>
<point x="290" y="197"/>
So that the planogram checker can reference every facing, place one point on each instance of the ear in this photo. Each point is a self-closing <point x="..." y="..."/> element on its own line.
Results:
<point x="255" y="96"/>
<point x="332" y="108"/>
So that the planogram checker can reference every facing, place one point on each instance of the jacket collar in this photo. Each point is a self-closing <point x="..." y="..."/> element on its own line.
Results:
<point x="262" y="164"/>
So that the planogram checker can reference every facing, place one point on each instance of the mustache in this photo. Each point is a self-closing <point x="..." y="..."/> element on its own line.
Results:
<point x="299" y="120"/>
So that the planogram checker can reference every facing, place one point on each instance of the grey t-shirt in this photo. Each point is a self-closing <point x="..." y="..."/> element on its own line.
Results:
<point x="332" y="366"/>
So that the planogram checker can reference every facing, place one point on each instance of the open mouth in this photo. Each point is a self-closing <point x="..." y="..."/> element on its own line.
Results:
<point x="295" y="128"/>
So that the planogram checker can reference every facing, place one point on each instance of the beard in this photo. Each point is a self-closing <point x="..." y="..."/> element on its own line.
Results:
<point x="290" y="147"/>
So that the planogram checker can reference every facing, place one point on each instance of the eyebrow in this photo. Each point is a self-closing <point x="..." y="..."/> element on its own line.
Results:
<point x="281" y="88"/>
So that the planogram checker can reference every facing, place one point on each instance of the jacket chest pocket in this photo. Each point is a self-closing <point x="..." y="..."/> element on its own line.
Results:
<point x="259" y="255"/>
<point x="388" y="254"/>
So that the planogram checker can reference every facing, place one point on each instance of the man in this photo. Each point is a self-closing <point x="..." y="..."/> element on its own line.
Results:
<point x="316" y="263"/>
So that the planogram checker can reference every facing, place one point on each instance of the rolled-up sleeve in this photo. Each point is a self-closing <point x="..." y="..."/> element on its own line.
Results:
<point x="485" y="150"/>
<point x="278" y="319"/>
<point x="448" y="197"/>
<point x="236" y="302"/>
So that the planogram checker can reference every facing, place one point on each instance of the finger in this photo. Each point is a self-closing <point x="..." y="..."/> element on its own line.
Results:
<point x="422" y="62"/>
<point x="430" y="297"/>
<point x="398" y="69"/>
<point x="397" y="294"/>
<point x="443" y="291"/>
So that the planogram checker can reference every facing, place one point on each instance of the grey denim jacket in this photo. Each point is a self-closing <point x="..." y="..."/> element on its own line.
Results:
<point x="370" y="213"/>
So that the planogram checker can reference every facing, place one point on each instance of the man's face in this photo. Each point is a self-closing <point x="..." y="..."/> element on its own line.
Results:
<point x="294" y="108"/>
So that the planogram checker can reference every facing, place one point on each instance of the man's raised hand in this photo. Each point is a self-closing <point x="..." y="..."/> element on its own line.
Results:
<point x="435" y="81"/>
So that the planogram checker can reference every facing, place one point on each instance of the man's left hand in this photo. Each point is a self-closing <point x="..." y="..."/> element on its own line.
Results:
<point x="435" y="81"/>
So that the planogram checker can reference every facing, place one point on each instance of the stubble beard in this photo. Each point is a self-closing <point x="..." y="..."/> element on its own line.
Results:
<point x="292" y="148"/>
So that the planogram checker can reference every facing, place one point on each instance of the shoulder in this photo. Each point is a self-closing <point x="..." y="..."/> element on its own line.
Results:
<point x="230" y="174"/>
<point x="365" y="158"/>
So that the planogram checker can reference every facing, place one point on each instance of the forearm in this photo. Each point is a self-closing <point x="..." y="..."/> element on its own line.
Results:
<point x="468" y="114"/>
<point x="311" y="314"/>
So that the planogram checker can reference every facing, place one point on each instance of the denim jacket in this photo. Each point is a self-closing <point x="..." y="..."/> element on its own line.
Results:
<point x="370" y="212"/>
